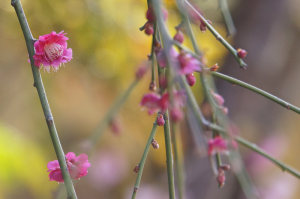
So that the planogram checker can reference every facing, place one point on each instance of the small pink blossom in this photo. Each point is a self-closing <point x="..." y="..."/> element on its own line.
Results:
<point x="217" y="145"/>
<point x="188" y="64"/>
<point x="77" y="166"/>
<point x="152" y="102"/>
<point x="51" y="51"/>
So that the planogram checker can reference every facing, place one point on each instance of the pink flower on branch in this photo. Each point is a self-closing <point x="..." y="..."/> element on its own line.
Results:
<point x="217" y="145"/>
<point x="77" y="167"/>
<point x="51" y="51"/>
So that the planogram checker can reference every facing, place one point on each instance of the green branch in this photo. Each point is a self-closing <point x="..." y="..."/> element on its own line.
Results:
<point x="258" y="91"/>
<point x="38" y="83"/>
<point x="218" y="36"/>
<point x="143" y="160"/>
<point x="231" y="30"/>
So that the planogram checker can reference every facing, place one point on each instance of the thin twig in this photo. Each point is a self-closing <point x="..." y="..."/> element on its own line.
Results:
<point x="143" y="160"/>
<point x="178" y="162"/>
<point x="200" y="118"/>
<point x="38" y="83"/>
<point x="218" y="36"/>
<point x="170" y="169"/>
<point x="258" y="91"/>
<point x="231" y="30"/>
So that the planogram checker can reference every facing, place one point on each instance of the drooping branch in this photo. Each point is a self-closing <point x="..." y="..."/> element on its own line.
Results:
<point x="38" y="83"/>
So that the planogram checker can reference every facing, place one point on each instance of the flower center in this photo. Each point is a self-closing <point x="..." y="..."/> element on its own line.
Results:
<point x="53" y="51"/>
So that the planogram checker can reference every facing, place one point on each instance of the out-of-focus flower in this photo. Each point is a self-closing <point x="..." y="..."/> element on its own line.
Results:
<point x="154" y="144"/>
<point x="109" y="169"/>
<point x="77" y="166"/>
<point x="188" y="64"/>
<point x="151" y="101"/>
<point x="51" y="51"/>
<point x="141" y="71"/>
<point x="217" y="145"/>
<point x="218" y="98"/>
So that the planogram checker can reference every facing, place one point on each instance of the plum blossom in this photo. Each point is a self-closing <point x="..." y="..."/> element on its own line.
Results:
<point x="217" y="145"/>
<point x="151" y="101"/>
<point x="51" y="51"/>
<point x="188" y="64"/>
<point x="77" y="166"/>
<point x="155" y="102"/>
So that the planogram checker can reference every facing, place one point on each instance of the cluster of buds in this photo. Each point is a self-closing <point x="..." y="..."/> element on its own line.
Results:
<point x="150" y="16"/>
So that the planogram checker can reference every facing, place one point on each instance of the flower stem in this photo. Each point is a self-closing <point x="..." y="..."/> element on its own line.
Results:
<point x="218" y="36"/>
<point x="38" y="83"/>
<point x="143" y="160"/>
<point x="231" y="30"/>
<point x="258" y="91"/>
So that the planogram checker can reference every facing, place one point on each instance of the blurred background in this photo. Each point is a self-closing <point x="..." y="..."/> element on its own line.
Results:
<point x="107" y="48"/>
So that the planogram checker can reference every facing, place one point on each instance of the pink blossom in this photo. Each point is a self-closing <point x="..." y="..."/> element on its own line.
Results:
<point x="51" y="51"/>
<point x="188" y="64"/>
<point x="152" y="102"/>
<point x="217" y="145"/>
<point x="77" y="166"/>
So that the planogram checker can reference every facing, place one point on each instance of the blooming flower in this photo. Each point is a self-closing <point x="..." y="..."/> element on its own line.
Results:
<point x="217" y="145"/>
<point x="77" y="167"/>
<point x="188" y="64"/>
<point x="51" y="51"/>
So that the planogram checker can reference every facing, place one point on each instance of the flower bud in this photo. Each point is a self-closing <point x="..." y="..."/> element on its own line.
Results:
<point x="241" y="53"/>
<point x="221" y="178"/>
<point x="214" y="67"/>
<point x="136" y="168"/>
<point x="191" y="79"/>
<point x="140" y="72"/>
<point x="179" y="37"/>
<point x="155" y="144"/>
<point x="160" y="120"/>
<point x="149" y="29"/>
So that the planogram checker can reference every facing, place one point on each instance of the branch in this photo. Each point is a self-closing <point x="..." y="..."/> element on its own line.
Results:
<point x="219" y="37"/>
<point x="143" y="160"/>
<point x="258" y="91"/>
<point x="38" y="83"/>
<point x="231" y="30"/>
